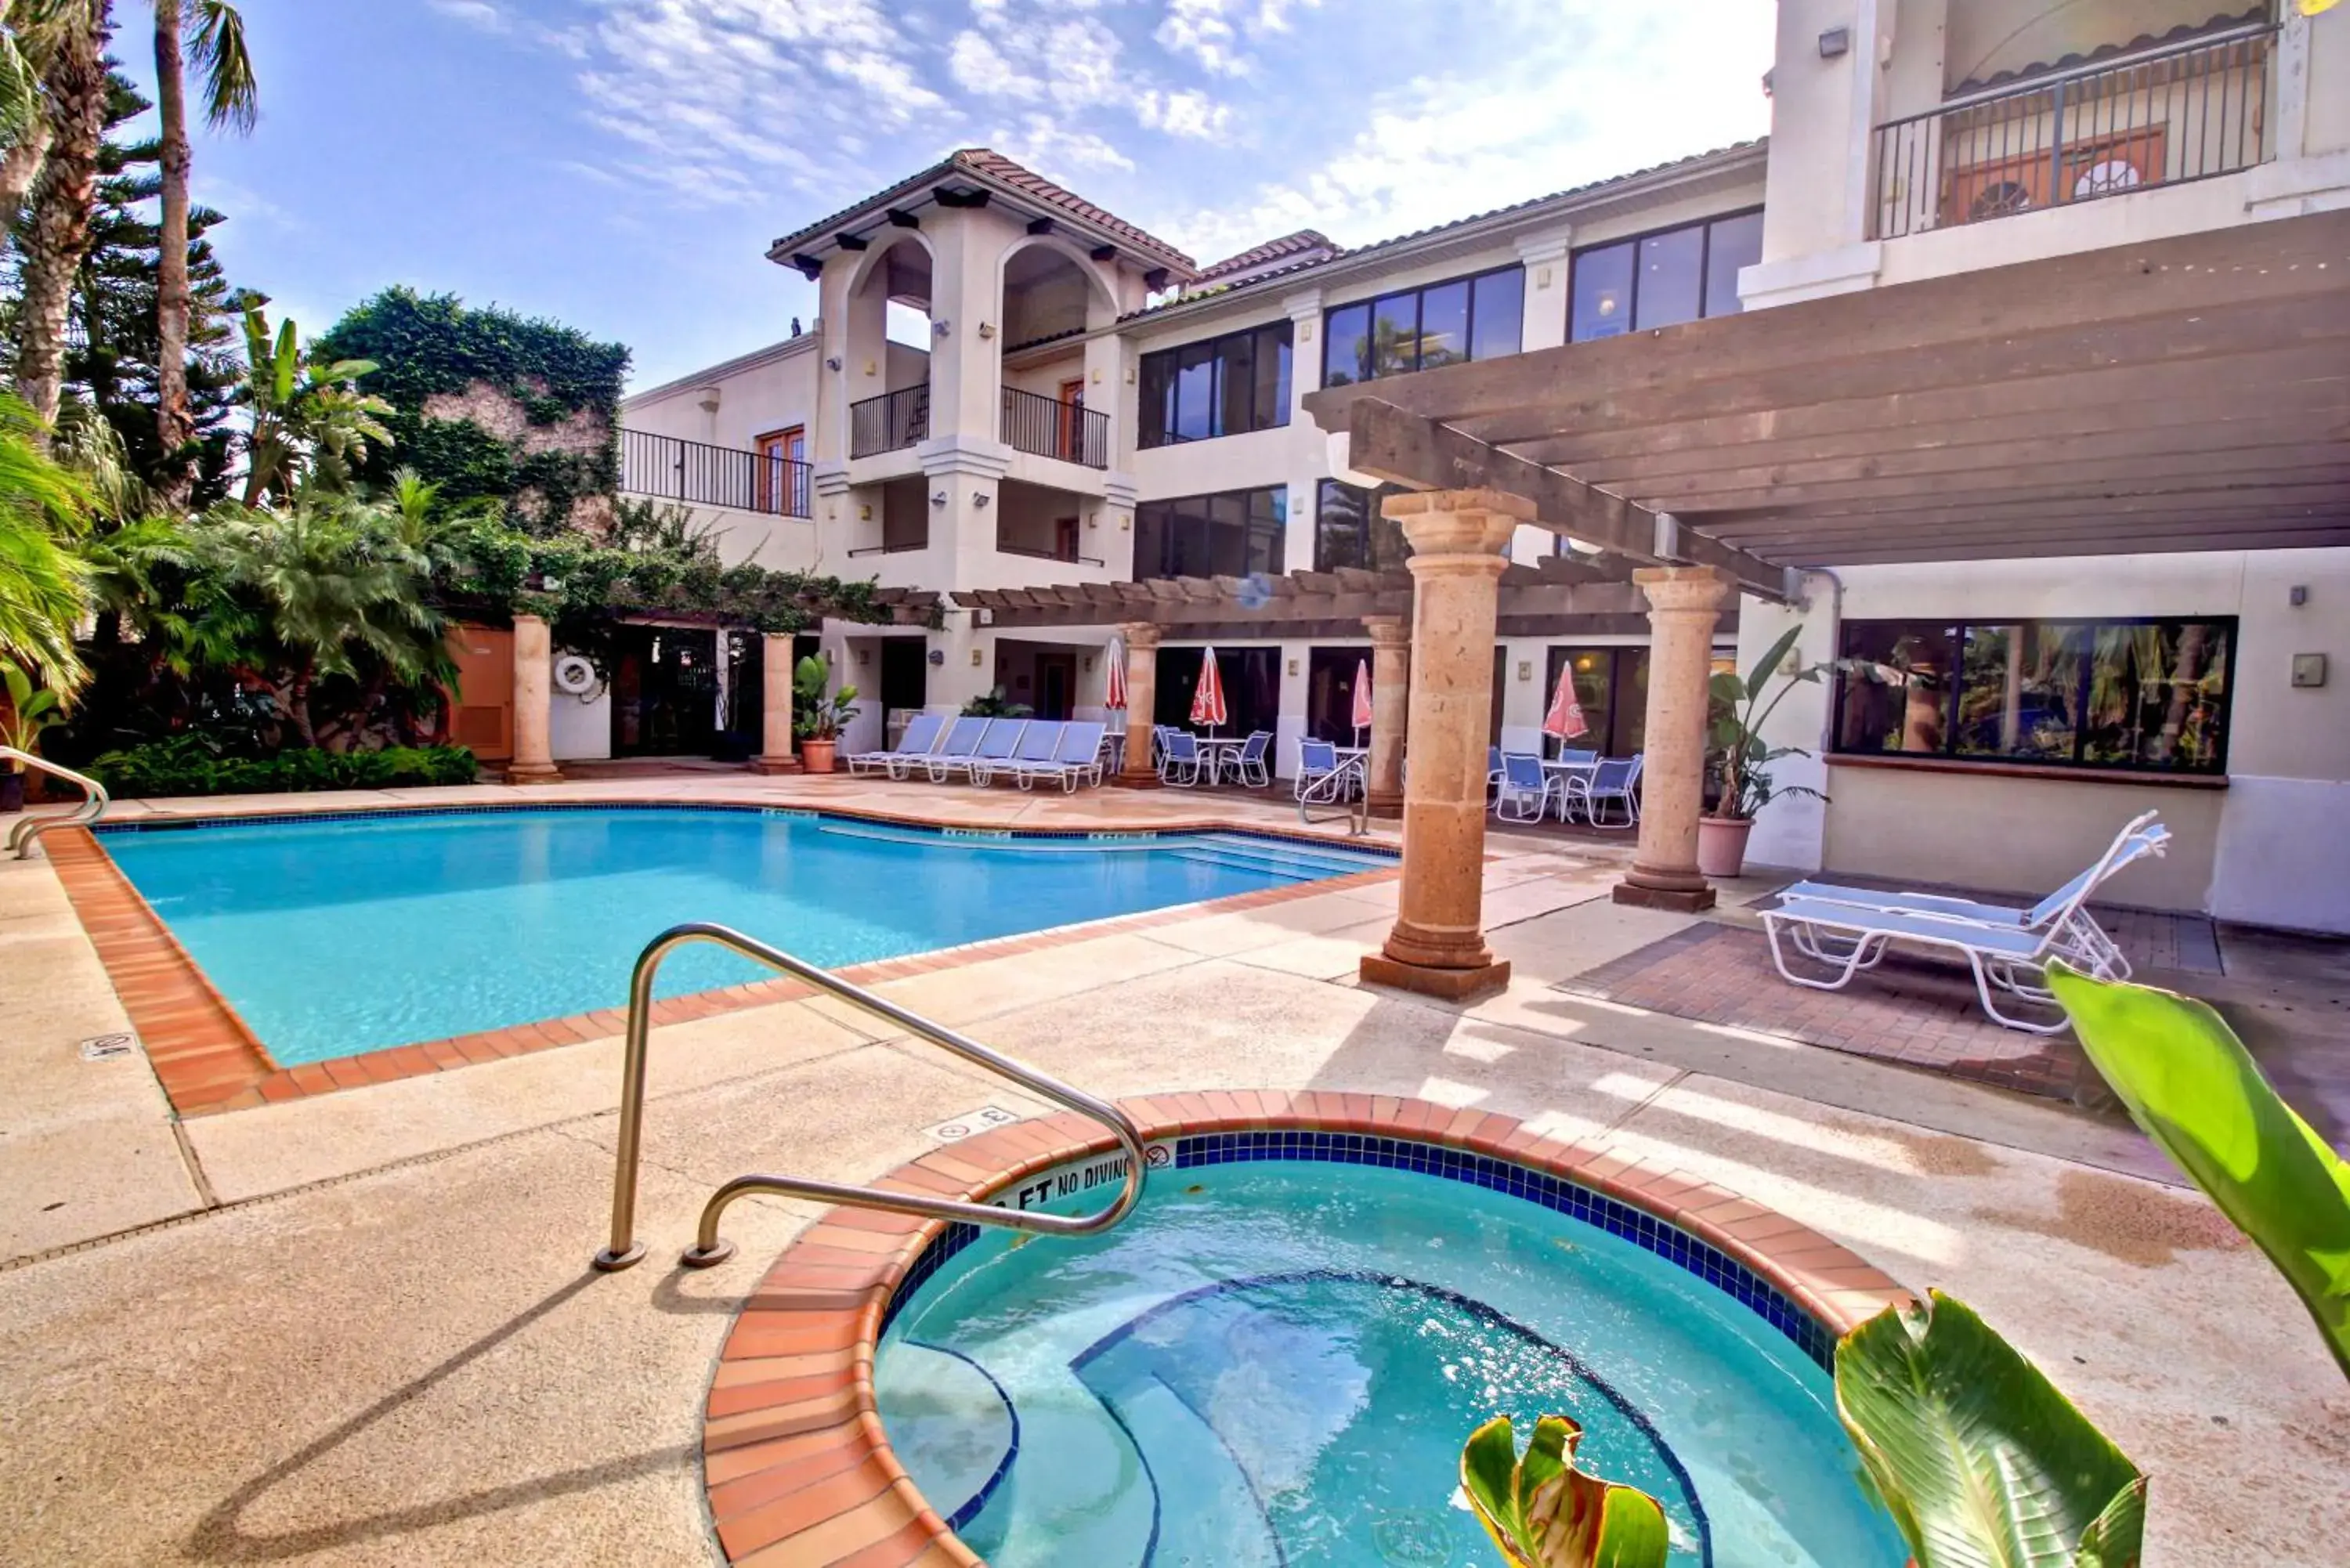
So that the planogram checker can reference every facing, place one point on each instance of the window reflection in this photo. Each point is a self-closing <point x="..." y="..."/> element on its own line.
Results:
<point x="1477" y="317"/>
<point x="1349" y="531"/>
<point x="1233" y="533"/>
<point x="1662" y="279"/>
<point x="1224" y="386"/>
<point x="1671" y="288"/>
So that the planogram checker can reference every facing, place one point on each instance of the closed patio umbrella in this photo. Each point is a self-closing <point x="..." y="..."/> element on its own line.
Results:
<point x="1566" y="718"/>
<point x="1208" y="697"/>
<point x="1362" y="698"/>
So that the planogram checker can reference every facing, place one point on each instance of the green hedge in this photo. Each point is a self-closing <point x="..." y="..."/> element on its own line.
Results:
<point x="186" y="764"/>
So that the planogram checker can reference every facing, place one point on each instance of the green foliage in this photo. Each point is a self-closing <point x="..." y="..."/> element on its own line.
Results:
<point x="2192" y="1087"/>
<point x="1543" y="1513"/>
<point x="311" y="424"/>
<point x="1740" y="758"/>
<point x="31" y="709"/>
<point x="994" y="705"/>
<point x="44" y="587"/>
<point x="815" y="716"/>
<point x="193" y="764"/>
<point x="429" y="346"/>
<point x="1981" y="1461"/>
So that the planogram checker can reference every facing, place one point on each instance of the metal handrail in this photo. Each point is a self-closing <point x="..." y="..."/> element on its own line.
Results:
<point x="708" y="1249"/>
<point x="1332" y="788"/>
<point x="22" y="837"/>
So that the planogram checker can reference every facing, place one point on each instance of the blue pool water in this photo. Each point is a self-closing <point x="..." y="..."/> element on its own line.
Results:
<point x="336" y="937"/>
<point x="1274" y="1365"/>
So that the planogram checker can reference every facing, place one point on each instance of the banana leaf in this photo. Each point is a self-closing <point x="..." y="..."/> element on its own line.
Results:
<point x="2195" y="1090"/>
<point x="1543" y="1513"/>
<point x="1983" y="1463"/>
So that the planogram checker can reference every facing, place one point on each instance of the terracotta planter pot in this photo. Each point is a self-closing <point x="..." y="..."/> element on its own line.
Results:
<point x="1721" y="845"/>
<point x="817" y="756"/>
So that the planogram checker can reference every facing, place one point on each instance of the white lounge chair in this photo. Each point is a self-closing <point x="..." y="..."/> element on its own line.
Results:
<point x="2005" y="958"/>
<point x="2143" y="835"/>
<point x="1077" y="761"/>
<point x="1039" y="742"/>
<point x="997" y="748"/>
<point x="921" y="737"/>
<point x="956" y="750"/>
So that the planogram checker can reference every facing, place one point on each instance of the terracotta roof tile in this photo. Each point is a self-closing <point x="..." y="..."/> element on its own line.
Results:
<point x="1271" y="250"/>
<point x="2143" y="41"/>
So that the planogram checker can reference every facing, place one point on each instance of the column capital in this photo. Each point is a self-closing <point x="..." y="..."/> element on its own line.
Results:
<point x="1138" y="634"/>
<point x="1669" y="588"/>
<point x="1457" y="521"/>
<point x="1388" y="630"/>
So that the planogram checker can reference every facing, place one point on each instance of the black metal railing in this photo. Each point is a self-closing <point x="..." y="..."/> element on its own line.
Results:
<point x="1069" y="554"/>
<point x="891" y="422"/>
<point x="895" y="548"/>
<point x="2165" y="117"/>
<point x="1050" y="428"/>
<point x="706" y="475"/>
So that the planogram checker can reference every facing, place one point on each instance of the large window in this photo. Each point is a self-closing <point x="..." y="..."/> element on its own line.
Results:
<point x="1611" y="687"/>
<point x="2147" y="696"/>
<point x="1663" y="279"/>
<point x="1230" y="534"/>
<point x="1418" y="329"/>
<point x="1349" y="531"/>
<point x="1225" y="386"/>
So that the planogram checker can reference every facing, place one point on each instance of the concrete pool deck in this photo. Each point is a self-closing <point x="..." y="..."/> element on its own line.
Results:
<point x="359" y="1328"/>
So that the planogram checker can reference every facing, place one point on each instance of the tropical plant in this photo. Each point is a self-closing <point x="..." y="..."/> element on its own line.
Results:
<point x="1981" y="1461"/>
<point x="994" y="705"/>
<point x="815" y="716"/>
<point x="1742" y="757"/>
<point x="212" y="32"/>
<point x="196" y="764"/>
<point x="76" y="93"/>
<point x="1545" y="1513"/>
<point x="31" y="709"/>
<point x="44" y="588"/>
<point x="2192" y="1087"/>
<point x="311" y="425"/>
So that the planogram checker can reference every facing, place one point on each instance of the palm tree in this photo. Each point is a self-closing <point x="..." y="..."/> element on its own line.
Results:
<point x="231" y="102"/>
<point x="77" y="97"/>
<point x="44" y="588"/>
<point x="310" y="425"/>
<point x="29" y="30"/>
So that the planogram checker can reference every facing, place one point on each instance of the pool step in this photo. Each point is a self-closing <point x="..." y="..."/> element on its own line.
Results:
<point x="948" y="1419"/>
<point x="1079" y="1491"/>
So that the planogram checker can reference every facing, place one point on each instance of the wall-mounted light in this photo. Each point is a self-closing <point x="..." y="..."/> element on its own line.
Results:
<point x="1293" y="667"/>
<point x="980" y="498"/>
<point x="865" y="513"/>
<point x="1542" y="277"/>
<point x="1089" y="664"/>
<point x="864" y="656"/>
<point x="1124" y="521"/>
<point x="1129" y="374"/>
<point x="986" y="330"/>
<point x="938" y="498"/>
<point x="1836" y="41"/>
<point x="1306" y="332"/>
<point x="709" y="396"/>
<point x="833" y="362"/>
<point x="871" y="369"/>
<point x="942" y="329"/>
<point x="975" y="659"/>
<point x="1525" y="669"/>
<point x="1097" y="377"/>
<point x="938" y="656"/>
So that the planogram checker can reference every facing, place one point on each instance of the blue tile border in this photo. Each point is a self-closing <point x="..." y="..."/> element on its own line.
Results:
<point x="1668" y="1241"/>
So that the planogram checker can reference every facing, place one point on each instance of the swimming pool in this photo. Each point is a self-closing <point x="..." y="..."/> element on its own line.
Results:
<point x="1276" y="1363"/>
<point x="336" y="936"/>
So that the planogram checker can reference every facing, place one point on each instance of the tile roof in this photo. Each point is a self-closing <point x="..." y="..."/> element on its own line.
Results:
<point x="995" y="167"/>
<point x="2178" y="35"/>
<point x="1271" y="250"/>
<point x="1338" y="254"/>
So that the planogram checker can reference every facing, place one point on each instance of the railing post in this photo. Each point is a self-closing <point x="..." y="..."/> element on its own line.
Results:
<point x="2056" y="144"/>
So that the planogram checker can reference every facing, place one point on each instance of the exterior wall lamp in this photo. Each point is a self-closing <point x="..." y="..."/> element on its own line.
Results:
<point x="987" y="329"/>
<point x="1836" y="41"/>
<point x="938" y="498"/>
<point x="980" y="498"/>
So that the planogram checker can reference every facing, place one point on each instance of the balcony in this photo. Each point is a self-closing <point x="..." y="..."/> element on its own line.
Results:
<point x="705" y="476"/>
<point x="2163" y="116"/>
<point x="891" y="422"/>
<point x="1045" y="426"/>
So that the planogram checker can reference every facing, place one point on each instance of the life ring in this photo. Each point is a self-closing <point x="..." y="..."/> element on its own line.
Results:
<point x="575" y="675"/>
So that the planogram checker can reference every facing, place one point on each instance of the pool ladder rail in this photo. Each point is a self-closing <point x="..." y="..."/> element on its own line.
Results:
<point x="27" y="832"/>
<point x="708" y="1249"/>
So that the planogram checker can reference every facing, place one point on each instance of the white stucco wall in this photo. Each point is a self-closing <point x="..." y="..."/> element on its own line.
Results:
<point x="2266" y="850"/>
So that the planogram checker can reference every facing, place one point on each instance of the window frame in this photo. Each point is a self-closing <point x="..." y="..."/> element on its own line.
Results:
<point x="1949" y="756"/>
<point x="1369" y="305"/>
<point x="1161" y="428"/>
<point x="1632" y="301"/>
<point x="1164" y="511"/>
<point x="1370" y="520"/>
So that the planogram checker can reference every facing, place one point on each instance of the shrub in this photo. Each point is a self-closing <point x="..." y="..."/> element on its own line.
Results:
<point x="189" y="764"/>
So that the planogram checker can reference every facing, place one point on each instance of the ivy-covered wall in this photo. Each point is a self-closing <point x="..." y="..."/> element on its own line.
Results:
<point x="491" y="404"/>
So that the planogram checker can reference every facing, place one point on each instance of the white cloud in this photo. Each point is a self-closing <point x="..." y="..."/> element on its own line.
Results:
<point x="1050" y="148"/>
<point x="1184" y="113"/>
<point x="1200" y="30"/>
<point x="474" y="13"/>
<point x="977" y="64"/>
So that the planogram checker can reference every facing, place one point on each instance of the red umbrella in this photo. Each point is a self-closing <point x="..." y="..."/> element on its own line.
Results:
<point x="1115" y="654"/>
<point x="1565" y="719"/>
<point x="1208" y="697"/>
<point x="1362" y="698"/>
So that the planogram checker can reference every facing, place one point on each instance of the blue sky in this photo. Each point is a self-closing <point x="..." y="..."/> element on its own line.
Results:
<point x="621" y="165"/>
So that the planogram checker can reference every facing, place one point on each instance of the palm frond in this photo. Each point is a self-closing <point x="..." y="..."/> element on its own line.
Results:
<point x="232" y="94"/>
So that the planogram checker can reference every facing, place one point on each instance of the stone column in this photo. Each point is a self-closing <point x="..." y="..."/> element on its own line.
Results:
<point x="1684" y="602"/>
<point x="1141" y="639"/>
<point x="1390" y="695"/>
<point x="1459" y="539"/>
<point x="775" y="665"/>
<point x="534" y="750"/>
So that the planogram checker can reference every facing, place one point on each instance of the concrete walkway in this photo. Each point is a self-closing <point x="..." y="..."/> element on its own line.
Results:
<point x="358" y="1328"/>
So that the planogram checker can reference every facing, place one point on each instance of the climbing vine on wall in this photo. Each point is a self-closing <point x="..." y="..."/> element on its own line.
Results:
<point x="492" y="405"/>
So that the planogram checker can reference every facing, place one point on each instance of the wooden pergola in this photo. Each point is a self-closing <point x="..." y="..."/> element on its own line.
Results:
<point x="2181" y="394"/>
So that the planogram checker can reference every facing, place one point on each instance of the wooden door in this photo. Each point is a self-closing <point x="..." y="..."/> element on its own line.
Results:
<point x="1071" y="446"/>
<point x="481" y="710"/>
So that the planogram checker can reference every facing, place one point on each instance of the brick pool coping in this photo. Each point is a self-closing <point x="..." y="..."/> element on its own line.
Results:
<point x="208" y="1060"/>
<point x="797" y="1469"/>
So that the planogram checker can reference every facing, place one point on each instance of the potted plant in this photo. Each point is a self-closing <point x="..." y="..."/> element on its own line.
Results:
<point x="1741" y="759"/>
<point x="817" y="717"/>
<point x="31" y="709"/>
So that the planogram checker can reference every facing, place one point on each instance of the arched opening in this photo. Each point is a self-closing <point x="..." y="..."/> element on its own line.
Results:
<point x="1050" y="298"/>
<point x="889" y="346"/>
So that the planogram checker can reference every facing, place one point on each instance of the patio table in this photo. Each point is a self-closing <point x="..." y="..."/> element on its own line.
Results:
<point x="1552" y="767"/>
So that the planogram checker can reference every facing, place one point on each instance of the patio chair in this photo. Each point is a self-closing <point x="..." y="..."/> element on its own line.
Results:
<point x="1078" y="760"/>
<point x="1848" y="940"/>
<point x="996" y="749"/>
<point x="1320" y="778"/>
<point x="1492" y="769"/>
<point x="1579" y="758"/>
<point x="2143" y="835"/>
<point x="962" y="739"/>
<point x="1615" y="779"/>
<point x="1040" y="742"/>
<point x="922" y="736"/>
<point x="1182" y="763"/>
<point x="1526" y="791"/>
<point x="1249" y="763"/>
